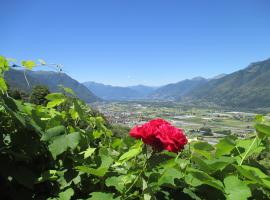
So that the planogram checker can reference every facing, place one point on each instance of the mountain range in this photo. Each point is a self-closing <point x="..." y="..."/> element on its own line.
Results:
<point x="249" y="87"/>
<point x="246" y="88"/>
<point x="108" y="92"/>
<point x="17" y="79"/>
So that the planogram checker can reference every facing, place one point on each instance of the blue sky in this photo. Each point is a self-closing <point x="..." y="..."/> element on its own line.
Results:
<point x="129" y="42"/>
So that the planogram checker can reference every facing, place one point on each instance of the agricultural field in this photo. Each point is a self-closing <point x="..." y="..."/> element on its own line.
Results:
<point x="205" y="123"/>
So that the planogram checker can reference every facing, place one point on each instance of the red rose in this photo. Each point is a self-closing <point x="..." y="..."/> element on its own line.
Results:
<point x="160" y="134"/>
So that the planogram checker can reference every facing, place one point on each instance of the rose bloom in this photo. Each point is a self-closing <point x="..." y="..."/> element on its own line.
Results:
<point x="160" y="134"/>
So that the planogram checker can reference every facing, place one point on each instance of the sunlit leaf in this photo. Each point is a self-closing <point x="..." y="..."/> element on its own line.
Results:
<point x="56" y="99"/>
<point x="88" y="152"/>
<point x="67" y="194"/>
<point x="102" y="196"/>
<point x="28" y="64"/>
<point x="3" y="85"/>
<point x="54" y="96"/>
<point x="4" y="65"/>
<point x="49" y="175"/>
<point x="133" y="152"/>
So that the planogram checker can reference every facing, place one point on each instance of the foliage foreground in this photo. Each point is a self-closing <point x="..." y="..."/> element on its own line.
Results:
<point x="62" y="150"/>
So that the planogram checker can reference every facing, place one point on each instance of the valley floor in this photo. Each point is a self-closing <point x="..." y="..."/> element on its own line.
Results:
<point x="206" y="123"/>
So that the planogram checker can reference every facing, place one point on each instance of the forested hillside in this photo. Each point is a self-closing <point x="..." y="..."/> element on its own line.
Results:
<point x="249" y="87"/>
<point x="176" y="91"/>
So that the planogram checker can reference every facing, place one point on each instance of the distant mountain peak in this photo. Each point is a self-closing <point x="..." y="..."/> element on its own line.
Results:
<point x="198" y="78"/>
<point x="247" y="88"/>
<point x="109" y="92"/>
<point x="218" y="76"/>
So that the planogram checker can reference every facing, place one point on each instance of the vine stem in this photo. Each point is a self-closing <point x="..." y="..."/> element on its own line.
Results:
<point x="139" y="175"/>
<point x="24" y="72"/>
<point x="248" y="150"/>
<point x="238" y="152"/>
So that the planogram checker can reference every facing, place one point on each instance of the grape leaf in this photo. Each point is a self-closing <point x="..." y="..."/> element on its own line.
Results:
<point x="236" y="189"/>
<point x="67" y="194"/>
<point x="102" y="195"/>
<point x="61" y="143"/>
<point x="169" y="175"/>
<point x="53" y="132"/>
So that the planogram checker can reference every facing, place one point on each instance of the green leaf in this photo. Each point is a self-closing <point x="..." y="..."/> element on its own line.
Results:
<point x="50" y="175"/>
<point x="106" y="162"/>
<point x="54" y="103"/>
<point x="67" y="194"/>
<point x="254" y="174"/>
<point x="130" y="154"/>
<point x="3" y="85"/>
<point x="55" y="96"/>
<point x="117" y="143"/>
<point x="190" y="193"/>
<point x="102" y="196"/>
<point x="58" y="146"/>
<point x="53" y="132"/>
<point x="203" y="148"/>
<point x="212" y="165"/>
<point x="88" y="152"/>
<point x="28" y="64"/>
<point x="4" y="65"/>
<point x="197" y="177"/>
<point x="254" y="170"/>
<point x="56" y="99"/>
<point x="67" y="90"/>
<point x="79" y="109"/>
<point x="236" y="189"/>
<point x="250" y="146"/>
<point x="73" y="139"/>
<point x="133" y="152"/>
<point x="190" y="180"/>
<point x="61" y="143"/>
<point x="11" y="107"/>
<point x="263" y="129"/>
<point x="118" y="182"/>
<point x="259" y="118"/>
<point x="225" y="145"/>
<point x="169" y="175"/>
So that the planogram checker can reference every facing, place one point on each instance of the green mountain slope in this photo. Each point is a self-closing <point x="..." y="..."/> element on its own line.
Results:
<point x="177" y="91"/>
<point x="249" y="87"/>
<point x="52" y="80"/>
